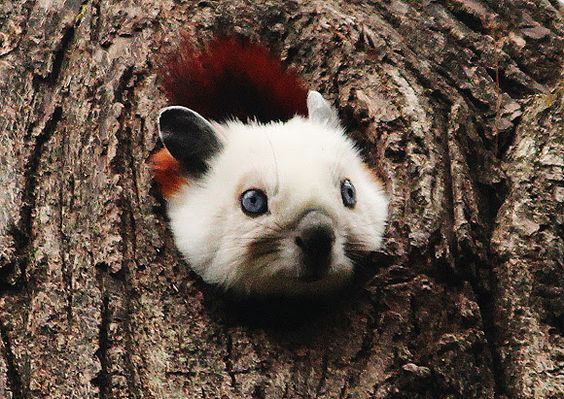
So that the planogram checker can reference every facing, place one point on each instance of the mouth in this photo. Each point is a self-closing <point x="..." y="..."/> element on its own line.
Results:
<point x="313" y="270"/>
<point x="311" y="278"/>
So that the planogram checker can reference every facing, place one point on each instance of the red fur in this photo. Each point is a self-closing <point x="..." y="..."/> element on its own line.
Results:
<point x="230" y="77"/>
<point x="167" y="172"/>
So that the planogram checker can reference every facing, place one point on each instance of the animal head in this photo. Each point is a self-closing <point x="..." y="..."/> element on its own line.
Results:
<point x="277" y="208"/>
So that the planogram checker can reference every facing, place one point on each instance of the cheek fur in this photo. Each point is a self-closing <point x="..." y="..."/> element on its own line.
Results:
<point x="167" y="173"/>
<point x="262" y="247"/>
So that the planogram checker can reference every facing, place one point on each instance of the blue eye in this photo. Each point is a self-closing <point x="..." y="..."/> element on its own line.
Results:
<point x="348" y="193"/>
<point x="254" y="202"/>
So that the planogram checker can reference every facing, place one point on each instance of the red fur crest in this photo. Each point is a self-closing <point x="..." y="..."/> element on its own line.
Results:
<point x="232" y="77"/>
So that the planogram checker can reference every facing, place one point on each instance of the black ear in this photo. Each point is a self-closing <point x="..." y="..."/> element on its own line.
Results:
<point x="189" y="137"/>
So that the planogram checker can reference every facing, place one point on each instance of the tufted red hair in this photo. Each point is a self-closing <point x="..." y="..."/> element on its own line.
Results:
<point x="167" y="172"/>
<point x="233" y="77"/>
<point x="229" y="77"/>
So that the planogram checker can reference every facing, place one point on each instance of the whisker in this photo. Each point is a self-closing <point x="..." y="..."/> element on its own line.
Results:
<point x="267" y="226"/>
<point x="277" y="225"/>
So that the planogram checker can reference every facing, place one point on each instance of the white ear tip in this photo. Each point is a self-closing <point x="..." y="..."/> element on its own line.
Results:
<point x="313" y="94"/>
<point x="178" y="108"/>
<point x="314" y="98"/>
<point x="320" y="110"/>
<point x="171" y="107"/>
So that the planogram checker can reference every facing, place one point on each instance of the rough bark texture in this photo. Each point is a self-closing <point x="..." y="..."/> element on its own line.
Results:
<point x="455" y="102"/>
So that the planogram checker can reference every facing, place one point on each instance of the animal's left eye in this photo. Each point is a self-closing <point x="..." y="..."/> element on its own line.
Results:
<point x="348" y="193"/>
<point x="254" y="202"/>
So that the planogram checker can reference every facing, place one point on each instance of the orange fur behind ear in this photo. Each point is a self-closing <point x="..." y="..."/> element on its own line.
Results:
<point x="167" y="173"/>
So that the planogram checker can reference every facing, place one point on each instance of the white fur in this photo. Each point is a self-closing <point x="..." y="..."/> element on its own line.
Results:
<point x="299" y="165"/>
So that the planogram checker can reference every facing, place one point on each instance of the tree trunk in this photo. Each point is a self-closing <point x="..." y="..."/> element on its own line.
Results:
<point x="457" y="105"/>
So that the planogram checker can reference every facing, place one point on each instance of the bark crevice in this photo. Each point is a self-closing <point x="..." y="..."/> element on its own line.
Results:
<point x="24" y="236"/>
<point x="14" y="377"/>
<point x="104" y="379"/>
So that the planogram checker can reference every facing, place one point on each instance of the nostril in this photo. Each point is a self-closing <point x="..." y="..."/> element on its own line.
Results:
<point x="316" y="241"/>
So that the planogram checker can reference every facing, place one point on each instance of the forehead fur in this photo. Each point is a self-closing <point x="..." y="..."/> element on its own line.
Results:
<point x="295" y="138"/>
<point x="299" y="155"/>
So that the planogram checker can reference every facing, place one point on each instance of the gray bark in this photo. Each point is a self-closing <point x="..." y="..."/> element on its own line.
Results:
<point x="457" y="105"/>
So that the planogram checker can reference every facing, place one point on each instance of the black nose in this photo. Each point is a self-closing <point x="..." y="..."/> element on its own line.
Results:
<point x="315" y="239"/>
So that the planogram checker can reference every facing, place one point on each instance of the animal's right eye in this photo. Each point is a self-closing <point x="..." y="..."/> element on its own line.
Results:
<point x="254" y="202"/>
<point x="348" y="193"/>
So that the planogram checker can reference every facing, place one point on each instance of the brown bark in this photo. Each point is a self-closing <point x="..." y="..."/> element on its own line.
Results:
<point x="455" y="102"/>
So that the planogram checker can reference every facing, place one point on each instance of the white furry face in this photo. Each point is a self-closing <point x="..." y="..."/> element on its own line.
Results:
<point x="300" y="166"/>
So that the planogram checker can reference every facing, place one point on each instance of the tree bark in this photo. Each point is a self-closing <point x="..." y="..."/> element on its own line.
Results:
<point x="457" y="105"/>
